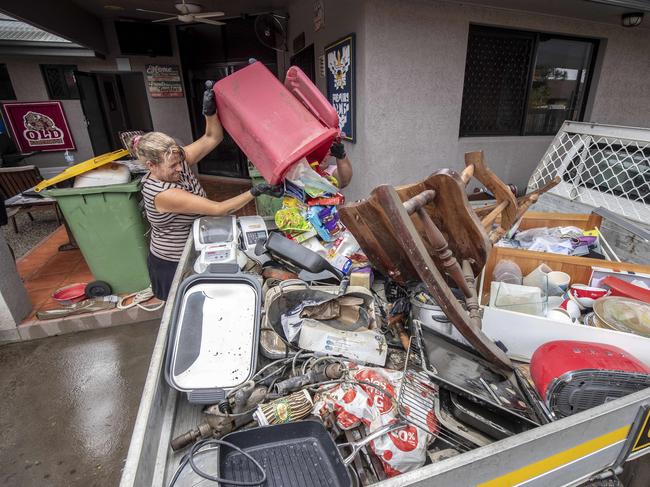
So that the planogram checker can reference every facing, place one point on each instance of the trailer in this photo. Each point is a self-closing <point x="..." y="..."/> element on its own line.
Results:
<point x="596" y="442"/>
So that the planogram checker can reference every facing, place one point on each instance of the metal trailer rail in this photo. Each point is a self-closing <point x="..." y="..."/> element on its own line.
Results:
<point x="565" y="452"/>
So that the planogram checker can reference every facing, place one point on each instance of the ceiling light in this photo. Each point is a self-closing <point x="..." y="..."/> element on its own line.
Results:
<point x="631" y="19"/>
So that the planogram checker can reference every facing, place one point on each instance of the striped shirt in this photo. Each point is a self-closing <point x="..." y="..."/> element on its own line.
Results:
<point x="169" y="231"/>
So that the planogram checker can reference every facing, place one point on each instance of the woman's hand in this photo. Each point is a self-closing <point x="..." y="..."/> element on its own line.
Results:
<point x="337" y="150"/>
<point x="209" y="103"/>
<point x="265" y="188"/>
<point x="213" y="136"/>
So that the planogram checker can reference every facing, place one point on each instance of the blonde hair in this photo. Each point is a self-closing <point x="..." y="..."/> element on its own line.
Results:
<point x="154" y="147"/>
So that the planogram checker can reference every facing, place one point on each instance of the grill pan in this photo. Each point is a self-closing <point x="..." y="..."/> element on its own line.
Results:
<point x="300" y="453"/>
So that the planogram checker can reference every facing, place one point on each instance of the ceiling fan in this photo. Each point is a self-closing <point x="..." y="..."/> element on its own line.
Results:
<point x="189" y="12"/>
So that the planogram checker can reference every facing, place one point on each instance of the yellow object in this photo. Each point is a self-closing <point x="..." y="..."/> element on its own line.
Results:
<point x="82" y="167"/>
<point x="559" y="459"/>
<point x="591" y="233"/>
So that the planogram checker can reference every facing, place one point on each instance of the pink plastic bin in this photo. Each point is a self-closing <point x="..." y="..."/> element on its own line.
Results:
<point x="276" y="125"/>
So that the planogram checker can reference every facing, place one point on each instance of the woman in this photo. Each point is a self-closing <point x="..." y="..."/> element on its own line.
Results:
<point x="174" y="198"/>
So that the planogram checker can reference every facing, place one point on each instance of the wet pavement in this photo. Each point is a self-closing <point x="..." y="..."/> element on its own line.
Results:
<point x="68" y="404"/>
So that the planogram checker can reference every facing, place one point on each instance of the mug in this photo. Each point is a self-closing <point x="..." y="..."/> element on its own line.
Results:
<point x="560" y="279"/>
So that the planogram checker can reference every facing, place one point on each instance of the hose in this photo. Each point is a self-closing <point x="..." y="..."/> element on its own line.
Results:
<point x="138" y="298"/>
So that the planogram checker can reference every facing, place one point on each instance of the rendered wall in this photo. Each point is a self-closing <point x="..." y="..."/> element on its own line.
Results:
<point x="410" y="71"/>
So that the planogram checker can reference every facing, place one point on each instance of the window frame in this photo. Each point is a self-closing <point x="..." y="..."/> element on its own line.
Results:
<point x="11" y="85"/>
<point x="61" y="68"/>
<point x="536" y="36"/>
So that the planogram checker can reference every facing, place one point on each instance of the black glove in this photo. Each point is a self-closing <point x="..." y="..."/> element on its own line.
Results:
<point x="337" y="150"/>
<point x="265" y="188"/>
<point x="209" y="104"/>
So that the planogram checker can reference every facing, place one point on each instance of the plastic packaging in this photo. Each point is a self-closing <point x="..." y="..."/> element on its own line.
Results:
<point x="507" y="271"/>
<point x="367" y="346"/>
<point x="315" y="185"/>
<point x="399" y="451"/>
<point x="291" y="220"/>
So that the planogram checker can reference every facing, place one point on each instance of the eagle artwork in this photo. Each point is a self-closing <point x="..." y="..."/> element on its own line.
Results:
<point x="338" y="63"/>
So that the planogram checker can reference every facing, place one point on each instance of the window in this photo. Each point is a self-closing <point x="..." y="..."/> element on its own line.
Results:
<point x="60" y="82"/>
<point x="523" y="83"/>
<point x="6" y="88"/>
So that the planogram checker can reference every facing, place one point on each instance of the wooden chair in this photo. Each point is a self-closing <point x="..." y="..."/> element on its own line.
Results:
<point x="15" y="180"/>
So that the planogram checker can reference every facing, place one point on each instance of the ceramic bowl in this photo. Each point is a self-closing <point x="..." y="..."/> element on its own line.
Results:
<point x="586" y="295"/>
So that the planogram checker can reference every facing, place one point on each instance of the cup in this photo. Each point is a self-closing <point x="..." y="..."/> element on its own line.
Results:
<point x="559" y="279"/>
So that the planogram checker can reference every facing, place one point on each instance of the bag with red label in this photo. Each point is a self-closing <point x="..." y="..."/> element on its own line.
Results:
<point x="405" y="449"/>
<point x="353" y="404"/>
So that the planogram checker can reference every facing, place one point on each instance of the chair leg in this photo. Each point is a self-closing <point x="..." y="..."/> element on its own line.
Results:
<point x="30" y="216"/>
<point x="13" y="221"/>
<point x="58" y="214"/>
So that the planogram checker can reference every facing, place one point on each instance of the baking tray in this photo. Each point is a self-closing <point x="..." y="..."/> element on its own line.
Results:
<point x="300" y="453"/>
<point x="214" y="334"/>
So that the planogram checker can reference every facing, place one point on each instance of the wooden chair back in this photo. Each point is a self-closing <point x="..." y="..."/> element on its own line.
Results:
<point x="14" y="180"/>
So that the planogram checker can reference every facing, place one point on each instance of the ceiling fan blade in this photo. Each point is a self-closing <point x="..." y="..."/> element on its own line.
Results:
<point x="209" y="14"/>
<point x="155" y="12"/>
<point x="165" y="20"/>
<point x="211" y="22"/>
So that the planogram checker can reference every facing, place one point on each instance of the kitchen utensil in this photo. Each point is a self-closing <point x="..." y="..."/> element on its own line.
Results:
<point x="572" y="376"/>
<point x="212" y="345"/>
<point x="623" y="314"/>
<point x="300" y="453"/>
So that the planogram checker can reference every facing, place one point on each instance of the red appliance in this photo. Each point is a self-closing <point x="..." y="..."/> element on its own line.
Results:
<point x="276" y="125"/>
<point x="572" y="376"/>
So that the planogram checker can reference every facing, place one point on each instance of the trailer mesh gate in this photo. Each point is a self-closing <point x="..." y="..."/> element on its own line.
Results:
<point x="600" y="166"/>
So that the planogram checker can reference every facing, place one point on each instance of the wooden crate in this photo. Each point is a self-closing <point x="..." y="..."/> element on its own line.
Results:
<point x="579" y="268"/>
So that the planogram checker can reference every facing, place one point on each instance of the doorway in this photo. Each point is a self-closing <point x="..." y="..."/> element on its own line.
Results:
<point x="211" y="53"/>
<point x="304" y="59"/>
<point x="113" y="103"/>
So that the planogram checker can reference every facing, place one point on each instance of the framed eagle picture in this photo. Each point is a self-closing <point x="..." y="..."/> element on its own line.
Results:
<point x="341" y="83"/>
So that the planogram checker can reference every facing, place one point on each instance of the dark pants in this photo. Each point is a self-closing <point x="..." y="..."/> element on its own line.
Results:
<point x="161" y="273"/>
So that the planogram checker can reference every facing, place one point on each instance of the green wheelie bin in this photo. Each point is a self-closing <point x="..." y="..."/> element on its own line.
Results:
<point x="111" y="232"/>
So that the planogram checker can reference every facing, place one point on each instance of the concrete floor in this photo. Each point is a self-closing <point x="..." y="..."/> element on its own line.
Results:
<point x="68" y="404"/>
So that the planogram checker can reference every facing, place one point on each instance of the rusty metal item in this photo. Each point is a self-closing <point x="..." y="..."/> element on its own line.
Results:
<point x="218" y="425"/>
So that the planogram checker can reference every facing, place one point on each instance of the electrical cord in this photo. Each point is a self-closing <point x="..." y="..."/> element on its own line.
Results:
<point x="196" y="450"/>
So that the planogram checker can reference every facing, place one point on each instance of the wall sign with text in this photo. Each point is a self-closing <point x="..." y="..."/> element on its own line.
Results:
<point x="38" y="126"/>
<point x="164" y="81"/>
<point x="340" y="77"/>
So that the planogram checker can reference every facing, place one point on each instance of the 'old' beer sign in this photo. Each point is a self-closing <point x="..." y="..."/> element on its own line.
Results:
<point x="38" y="126"/>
